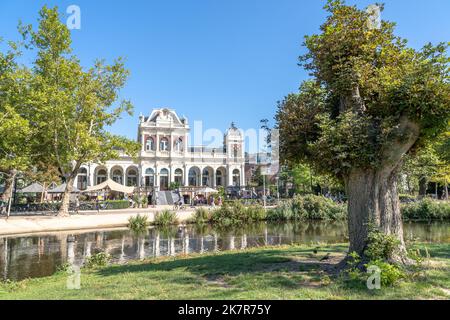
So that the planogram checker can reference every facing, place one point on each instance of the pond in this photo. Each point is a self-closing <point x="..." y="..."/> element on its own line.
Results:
<point x="41" y="255"/>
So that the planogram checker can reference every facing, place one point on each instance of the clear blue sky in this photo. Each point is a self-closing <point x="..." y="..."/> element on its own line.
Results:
<point x="213" y="60"/>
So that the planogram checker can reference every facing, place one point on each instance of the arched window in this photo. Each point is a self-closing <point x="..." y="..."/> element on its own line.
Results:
<point x="193" y="176"/>
<point x="236" y="178"/>
<point x="179" y="145"/>
<point x="101" y="176"/>
<point x="164" y="144"/>
<point x="149" y="177"/>
<point x="206" y="177"/>
<point x="164" y="179"/>
<point x="149" y="144"/>
<point x="179" y="176"/>
<point x="117" y="176"/>
<point x="220" y="177"/>
<point x="82" y="179"/>
<point x="132" y="178"/>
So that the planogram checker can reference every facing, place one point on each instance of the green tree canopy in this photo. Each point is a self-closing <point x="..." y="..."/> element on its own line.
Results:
<point x="15" y="131"/>
<point x="73" y="107"/>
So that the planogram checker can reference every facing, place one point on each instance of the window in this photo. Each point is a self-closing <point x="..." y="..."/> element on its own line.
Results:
<point x="193" y="176"/>
<point x="219" y="178"/>
<point x="164" y="144"/>
<point x="101" y="176"/>
<point x="132" y="178"/>
<point x="117" y="176"/>
<point x="149" y="177"/>
<point x="149" y="144"/>
<point x="164" y="179"/>
<point x="179" y="145"/>
<point x="179" y="176"/>
<point x="206" y="177"/>
<point x="82" y="179"/>
<point x="236" y="178"/>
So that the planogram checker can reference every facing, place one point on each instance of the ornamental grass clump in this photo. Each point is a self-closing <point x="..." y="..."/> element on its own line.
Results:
<point x="138" y="224"/>
<point x="165" y="218"/>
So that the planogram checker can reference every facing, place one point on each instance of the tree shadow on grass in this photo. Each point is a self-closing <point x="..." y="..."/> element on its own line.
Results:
<point x="268" y="268"/>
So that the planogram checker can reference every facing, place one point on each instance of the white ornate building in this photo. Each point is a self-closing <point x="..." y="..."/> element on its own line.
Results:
<point x="166" y="157"/>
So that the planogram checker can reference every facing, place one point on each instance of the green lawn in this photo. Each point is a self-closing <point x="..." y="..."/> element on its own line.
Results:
<point x="289" y="272"/>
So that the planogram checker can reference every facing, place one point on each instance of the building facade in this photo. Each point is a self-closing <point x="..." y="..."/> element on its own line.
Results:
<point x="166" y="157"/>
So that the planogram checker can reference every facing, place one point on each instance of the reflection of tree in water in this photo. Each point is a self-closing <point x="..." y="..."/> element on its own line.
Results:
<point x="433" y="231"/>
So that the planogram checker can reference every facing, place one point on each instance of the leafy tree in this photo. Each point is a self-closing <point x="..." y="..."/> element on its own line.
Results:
<point x="371" y="101"/>
<point x="420" y="167"/>
<point x="15" y="130"/>
<point x="73" y="107"/>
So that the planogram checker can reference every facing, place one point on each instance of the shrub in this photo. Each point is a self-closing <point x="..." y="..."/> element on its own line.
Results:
<point x="309" y="207"/>
<point x="426" y="209"/>
<point x="390" y="274"/>
<point x="117" y="204"/>
<point x="256" y="213"/>
<point x="138" y="224"/>
<point x="201" y="216"/>
<point x="165" y="218"/>
<point x="283" y="212"/>
<point x="100" y="259"/>
<point x="380" y="246"/>
<point x="236" y="213"/>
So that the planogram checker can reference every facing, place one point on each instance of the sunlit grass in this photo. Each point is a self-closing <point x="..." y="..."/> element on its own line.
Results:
<point x="288" y="272"/>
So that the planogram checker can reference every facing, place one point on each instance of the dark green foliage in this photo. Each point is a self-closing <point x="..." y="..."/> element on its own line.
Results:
<point x="201" y="216"/>
<point x="236" y="213"/>
<point x="426" y="209"/>
<point x="117" y="204"/>
<point x="380" y="246"/>
<point x="309" y="207"/>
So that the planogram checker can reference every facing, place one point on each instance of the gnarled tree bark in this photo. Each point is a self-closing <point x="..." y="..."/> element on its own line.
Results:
<point x="372" y="193"/>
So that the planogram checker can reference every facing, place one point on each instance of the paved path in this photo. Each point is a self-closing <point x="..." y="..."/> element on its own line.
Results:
<point x="86" y="220"/>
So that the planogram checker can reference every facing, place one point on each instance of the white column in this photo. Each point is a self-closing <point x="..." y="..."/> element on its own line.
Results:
<point x="171" y="174"/>
<point x="91" y="175"/>
<point x="186" y="175"/>
<point x="156" y="176"/>
<point x="230" y="176"/>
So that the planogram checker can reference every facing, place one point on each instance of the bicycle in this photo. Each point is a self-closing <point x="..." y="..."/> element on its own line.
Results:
<point x="178" y="206"/>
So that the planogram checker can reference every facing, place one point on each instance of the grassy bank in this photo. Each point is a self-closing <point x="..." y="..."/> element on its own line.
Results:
<point x="290" y="272"/>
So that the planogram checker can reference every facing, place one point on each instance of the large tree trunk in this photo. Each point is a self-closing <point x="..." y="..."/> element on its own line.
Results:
<point x="373" y="200"/>
<point x="372" y="194"/>
<point x="64" y="209"/>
